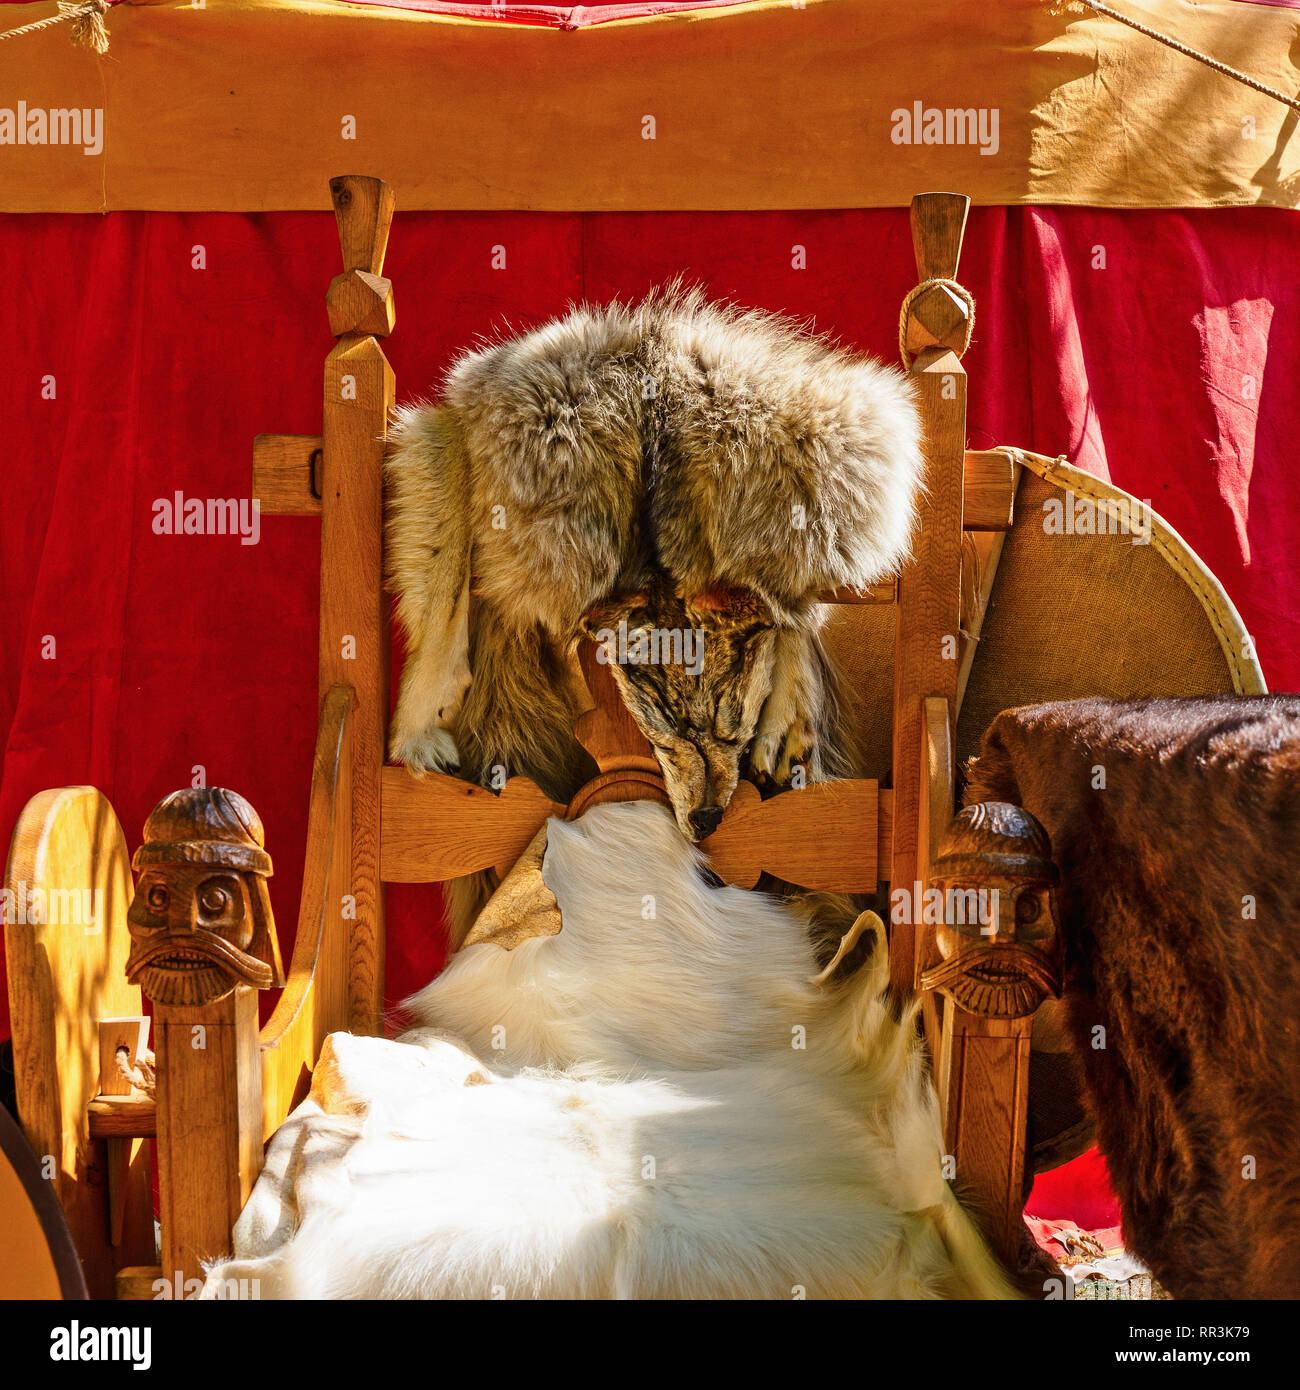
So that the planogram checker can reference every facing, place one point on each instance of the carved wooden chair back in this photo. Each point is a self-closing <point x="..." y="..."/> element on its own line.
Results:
<point x="848" y="836"/>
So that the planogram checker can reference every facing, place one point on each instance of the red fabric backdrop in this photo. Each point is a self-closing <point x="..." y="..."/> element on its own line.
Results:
<point x="1156" y="348"/>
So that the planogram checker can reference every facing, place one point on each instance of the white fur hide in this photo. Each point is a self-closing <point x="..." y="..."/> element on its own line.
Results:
<point x="654" y="1103"/>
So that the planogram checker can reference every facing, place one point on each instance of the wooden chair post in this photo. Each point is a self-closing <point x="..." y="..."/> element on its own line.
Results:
<point x="354" y="622"/>
<point x="995" y="958"/>
<point x="981" y="1058"/>
<point x="209" y="1099"/>
<point x="203" y="944"/>
<point x="927" y="646"/>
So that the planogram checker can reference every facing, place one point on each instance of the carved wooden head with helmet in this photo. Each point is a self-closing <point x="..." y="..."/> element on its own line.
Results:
<point x="998" y="943"/>
<point x="201" y="920"/>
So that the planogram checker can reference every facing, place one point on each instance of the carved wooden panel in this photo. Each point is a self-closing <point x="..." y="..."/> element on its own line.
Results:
<point x="822" y="836"/>
<point x="437" y="827"/>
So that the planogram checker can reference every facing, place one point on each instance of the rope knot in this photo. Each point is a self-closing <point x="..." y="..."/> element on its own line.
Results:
<point x="141" y="1077"/>
<point x="88" y="27"/>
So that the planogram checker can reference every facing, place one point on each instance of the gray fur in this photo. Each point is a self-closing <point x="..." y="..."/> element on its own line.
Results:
<point x="672" y="448"/>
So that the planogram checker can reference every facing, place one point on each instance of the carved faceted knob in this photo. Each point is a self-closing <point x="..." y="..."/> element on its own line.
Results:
<point x="359" y="302"/>
<point x="201" y="920"/>
<point x="996" y="950"/>
<point x="938" y="318"/>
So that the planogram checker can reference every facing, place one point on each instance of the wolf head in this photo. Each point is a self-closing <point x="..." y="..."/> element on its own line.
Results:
<point x="694" y="672"/>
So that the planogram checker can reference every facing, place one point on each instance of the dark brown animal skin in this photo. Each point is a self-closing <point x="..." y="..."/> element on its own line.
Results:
<point x="1200" y="1071"/>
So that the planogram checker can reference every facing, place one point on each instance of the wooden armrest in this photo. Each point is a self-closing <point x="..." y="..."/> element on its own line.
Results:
<point x="315" y="999"/>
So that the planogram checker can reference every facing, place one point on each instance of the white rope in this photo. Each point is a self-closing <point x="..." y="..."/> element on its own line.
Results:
<point x="88" y="27"/>
<point x="1185" y="49"/>
<point x="142" y="1077"/>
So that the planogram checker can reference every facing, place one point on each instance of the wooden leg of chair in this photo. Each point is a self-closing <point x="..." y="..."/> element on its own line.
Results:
<point x="209" y="1143"/>
<point x="984" y="1082"/>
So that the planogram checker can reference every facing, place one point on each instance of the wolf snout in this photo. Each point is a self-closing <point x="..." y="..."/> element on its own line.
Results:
<point x="705" y="821"/>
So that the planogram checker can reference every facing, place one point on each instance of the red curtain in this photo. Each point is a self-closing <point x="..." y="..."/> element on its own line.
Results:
<point x="146" y="350"/>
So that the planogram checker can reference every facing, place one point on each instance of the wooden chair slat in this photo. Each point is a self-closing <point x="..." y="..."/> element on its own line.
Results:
<point x="437" y="827"/>
<point x="824" y="836"/>
<point x="286" y="483"/>
<point x="286" y="474"/>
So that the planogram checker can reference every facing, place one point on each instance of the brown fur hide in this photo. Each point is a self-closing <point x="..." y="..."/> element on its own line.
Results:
<point x="1180" y="907"/>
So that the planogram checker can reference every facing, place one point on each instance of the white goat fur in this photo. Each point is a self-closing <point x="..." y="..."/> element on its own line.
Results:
<point x="671" y="1110"/>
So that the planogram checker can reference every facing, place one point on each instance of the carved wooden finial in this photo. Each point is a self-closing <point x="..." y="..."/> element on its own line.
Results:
<point x="363" y="209"/>
<point x="360" y="303"/>
<point x="360" y="300"/>
<point x="996" y="838"/>
<point x="937" y="316"/>
<point x="938" y="313"/>
<point x="938" y="226"/>
<point x="201" y="920"/>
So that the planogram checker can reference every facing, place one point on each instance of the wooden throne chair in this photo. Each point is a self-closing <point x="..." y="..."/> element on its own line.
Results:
<point x="979" y="619"/>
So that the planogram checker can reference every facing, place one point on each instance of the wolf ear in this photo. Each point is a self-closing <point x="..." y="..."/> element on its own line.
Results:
<point x="605" y="615"/>
<point x="731" y="607"/>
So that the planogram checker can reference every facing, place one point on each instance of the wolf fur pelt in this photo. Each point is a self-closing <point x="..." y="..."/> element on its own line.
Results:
<point x="1180" y="906"/>
<point x="656" y="1102"/>
<point x="676" y="462"/>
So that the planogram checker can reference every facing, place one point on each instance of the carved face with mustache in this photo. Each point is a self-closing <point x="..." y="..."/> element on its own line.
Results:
<point x="201" y="918"/>
<point x="998" y="943"/>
